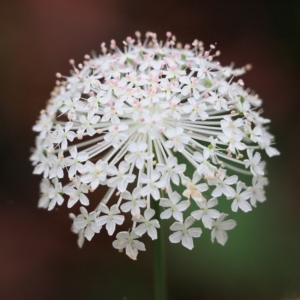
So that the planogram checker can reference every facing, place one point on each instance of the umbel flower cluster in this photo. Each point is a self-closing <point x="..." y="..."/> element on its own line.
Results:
<point x="157" y="124"/>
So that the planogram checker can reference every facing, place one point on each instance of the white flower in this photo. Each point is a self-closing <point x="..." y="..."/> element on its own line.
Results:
<point x="43" y="125"/>
<point x="151" y="124"/>
<point x="197" y="110"/>
<point x="177" y="138"/>
<point x="113" y="112"/>
<point x="96" y="173"/>
<point x="45" y="187"/>
<point x="86" y="222"/>
<point x="217" y="101"/>
<point x="112" y="219"/>
<point x="44" y="165"/>
<point x="265" y="141"/>
<point x="171" y="108"/>
<point x="191" y="86"/>
<point x="233" y="140"/>
<point x="75" y="161"/>
<point x="55" y="194"/>
<point x="152" y="120"/>
<point x="62" y="135"/>
<point x="57" y="164"/>
<point x="254" y="133"/>
<point x="116" y="134"/>
<point x="257" y="190"/>
<point x="253" y="163"/>
<point x="151" y="184"/>
<point x="220" y="227"/>
<point x="128" y="240"/>
<point x="171" y="170"/>
<point x="192" y="189"/>
<point x="87" y="123"/>
<point x="79" y="232"/>
<point x="77" y="192"/>
<point x="205" y="168"/>
<point x="184" y="233"/>
<point x="229" y="126"/>
<point x="121" y="179"/>
<point x="71" y="106"/>
<point x="240" y="198"/>
<point x="147" y="225"/>
<point x="206" y="213"/>
<point x="175" y="207"/>
<point x="204" y="68"/>
<point x="134" y="202"/>
<point x="222" y="183"/>
<point x="138" y="154"/>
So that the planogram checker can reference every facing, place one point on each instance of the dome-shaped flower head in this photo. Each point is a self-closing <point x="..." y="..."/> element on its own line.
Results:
<point x="138" y="125"/>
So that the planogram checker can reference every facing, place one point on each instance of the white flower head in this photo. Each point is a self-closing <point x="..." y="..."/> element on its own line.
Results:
<point x="136" y="127"/>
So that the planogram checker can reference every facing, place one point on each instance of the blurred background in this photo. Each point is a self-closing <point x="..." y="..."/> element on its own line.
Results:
<point x="39" y="257"/>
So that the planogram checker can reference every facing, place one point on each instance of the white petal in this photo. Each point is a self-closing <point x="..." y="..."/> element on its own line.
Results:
<point x="104" y="208"/>
<point x="175" y="237"/>
<point x="155" y="194"/>
<point x="183" y="205"/>
<point x="197" y="214"/>
<point x="187" y="241"/>
<point x="178" y="215"/>
<point x="80" y="223"/>
<point x="102" y="220"/>
<point x="195" y="232"/>
<point x="221" y="236"/>
<point x="176" y="226"/>
<point x="189" y="222"/>
<point x="126" y="207"/>
<point x="245" y="206"/>
<point x="119" y="219"/>
<point x="227" y="225"/>
<point x="212" y="202"/>
<point x="89" y="233"/>
<point x="231" y="180"/>
<point x="139" y="245"/>
<point x="110" y="226"/>
<point x="234" y="206"/>
<point x="141" y="229"/>
<point x="149" y="213"/>
<point x="84" y="199"/>
<point x="166" y="214"/>
<point x="207" y="221"/>
<point x="152" y="232"/>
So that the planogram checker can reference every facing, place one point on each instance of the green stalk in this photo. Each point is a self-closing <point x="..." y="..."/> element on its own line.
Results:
<point x="159" y="260"/>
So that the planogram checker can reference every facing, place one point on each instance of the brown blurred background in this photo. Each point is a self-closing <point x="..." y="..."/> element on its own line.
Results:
<point x="39" y="258"/>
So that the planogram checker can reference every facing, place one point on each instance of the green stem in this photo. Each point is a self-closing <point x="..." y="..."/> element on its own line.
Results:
<point x="160" y="282"/>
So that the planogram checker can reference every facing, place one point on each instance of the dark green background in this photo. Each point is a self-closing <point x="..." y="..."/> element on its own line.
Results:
<point x="39" y="258"/>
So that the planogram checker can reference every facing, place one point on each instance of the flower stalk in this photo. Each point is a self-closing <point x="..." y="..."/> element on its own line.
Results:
<point x="159" y="259"/>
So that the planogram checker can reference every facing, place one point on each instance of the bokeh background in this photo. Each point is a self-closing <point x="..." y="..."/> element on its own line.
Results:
<point x="39" y="258"/>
